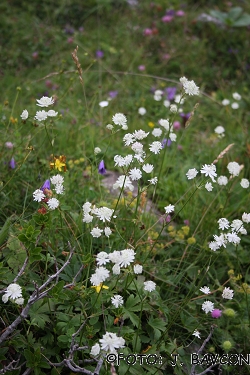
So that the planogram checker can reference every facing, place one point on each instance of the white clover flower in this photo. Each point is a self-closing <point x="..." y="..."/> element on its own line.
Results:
<point x="246" y="218"/>
<point x="155" y="147"/>
<point x="196" y="334"/>
<point x="57" y="180"/>
<point x="236" y="96"/>
<point x="233" y="238"/>
<point x="110" y="342"/>
<point x="191" y="173"/>
<point x="104" y="104"/>
<point x="24" y="115"/>
<point x="95" y="350"/>
<point x="172" y="137"/>
<point x="117" y="300"/>
<point x="109" y="127"/>
<point x="219" y="130"/>
<point x="140" y="134"/>
<point x="173" y="108"/>
<point x="244" y="183"/>
<point x="127" y="256"/>
<point x="142" y="111"/>
<point x="53" y="203"/>
<point x="207" y="306"/>
<point x="222" y="180"/>
<point x="157" y="132"/>
<point x="205" y="290"/>
<point x="153" y="181"/>
<point x="213" y="245"/>
<point x="138" y="269"/>
<point x="235" y="105"/>
<point x="209" y="170"/>
<point x="116" y="269"/>
<point x="137" y="147"/>
<point x="221" y="240"/>
<point x="59" y="189"/>
<point x="166" y="103"/>
<point x="209" y="186"/>
<point x="41" y="115"/>
<point x="38" y="195"/>
<point x="123" y="182"/>
<point x="225" y="102"/>
<point x="149" y="286"/>
<point x="102" y="258"/>
<point x="107" y="231"/>
<point x="233" y="168"/>
<point x="164" y="124"/>
<point x="97" y="150"/>
<point x="223" y="223"/>
<point x="128" y="139"/>
<point x="52" y="113"/>
<point x="45" y="101"/>
<point x="189" y="87"/>
<point x="148" y="168"/>
<point x="169" y="208"/>
<point x="96" y="232"/>
<point x="227" y="293"/>
<point x="13" y="291"/>
<point x="104" y="213"/>
<point x="135" y="174"/>
<point x="121" y="120"/>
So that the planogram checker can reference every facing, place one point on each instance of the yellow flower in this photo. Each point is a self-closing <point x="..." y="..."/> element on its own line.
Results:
<point x="185" y="230"/>
<point x="99" y="287"/>
<point x="59" y="163"/>
<point x="13" y="120"/>
<point x="191" y="240"/>
<point x="151" y="124"/>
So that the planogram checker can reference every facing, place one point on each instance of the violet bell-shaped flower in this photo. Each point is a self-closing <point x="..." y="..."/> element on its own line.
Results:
<point x="101" y="168"/>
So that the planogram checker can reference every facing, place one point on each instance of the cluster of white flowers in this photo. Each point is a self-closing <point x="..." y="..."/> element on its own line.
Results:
<point x="45" y="193"/>
<point x="14" y="293"/>
<point x="41" y="115"/>
<point x="103" y="214"/>
<point x="189" y="87"/>
<point x="219" y="130"/>
<point x="120" y="120"/>
<point x="120" y="259"/>
<point x="208" y="306"/>
<point x="234" y="105"/>
<point x="109" y="343"/>
<point x="232" y="236"/>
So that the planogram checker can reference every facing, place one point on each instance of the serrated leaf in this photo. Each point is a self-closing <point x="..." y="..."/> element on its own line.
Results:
<point x="157" y="323"/>
<point x="244" y="20"/>
<point x="133" y="317"/>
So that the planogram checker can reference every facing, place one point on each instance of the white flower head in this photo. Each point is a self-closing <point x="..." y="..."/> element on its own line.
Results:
<point x="207" y="306"/>
<point x="149" y="286"/>
<point x="19" y="301"/>
<point x="95" y="350"/>
<point x="223" y="223"/>
<point x="53" y="203"/>
<point x="209" y="186"/>
<point x="52" y="113"/>
<point x="142" y="111"/>
<point x="196" y="334"/>
<point x="157" y="132"/>
<point x="244" y="183"/>
<point x="104" y="103"/>
<point x="97" y="150"/>
<point x="109" y="127"/>
<point x="116" y="269"/>
<point x="140" y="134"/>
<point x="153" y="181"/>
<point x="117" y="300"/>
<point x="104" y="213"/>
<point x="137" y="147"/>
<point x="102" y="258"/>
<point x="219" y="130"/>
<point x="13" y="291"/>
<point x="135" y="174"/>
<point x="222" y="180"/>
<point x="24" y="115"/>
<point x="45" y="101"/>
<point x="246" y="218"/>
<point x="41" y="115"/>
<point x="225" y="102"/>
<point x="209" y="170"/>
<point x="125" y="182"/>
<point x="236" y="96"/>
<point x="227" y="293"/>
<point x="172" y="137"/>
<point x="191" y="173"/>
<point x="235" y="105"/>
<point x="234" y="168"/>
<point x="121" y="120"/>
<point x="127" y="256"/>
<point x="213" y="245"/>
<point x="57" y="180"/>
<point x="38" y="195"/>
<point x="155" y="147"/>
<point x="138" y="269"/>
<point x="110" y="342"/>
<point x="107" y="231"/>
<point x="166" y="103"/>
<point x="148" y="168"/>
<point x="205" y="290"/>
<point x="189" y="87"/>
<point x="165" y="124"/>
<point x="128" y="139"/>
<point x="233" y="238"/>
<point x="169" y="208"/>
<point x="173" y="108"/>
<point x="96" y="232"/>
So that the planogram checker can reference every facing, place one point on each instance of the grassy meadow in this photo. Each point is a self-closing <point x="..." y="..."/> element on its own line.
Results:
<point x="124" y="187"/>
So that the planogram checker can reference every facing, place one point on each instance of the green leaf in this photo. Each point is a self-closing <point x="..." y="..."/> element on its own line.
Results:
<point x="133" y="317"/>
<point x="5" y="231"/>
<point x="38" y="314"/>
<point x="63" y="338"/>
<point x="244" y="20"/>
<point x="35" y="254"/>
<point x="235" y="13"/>
<point x="157" y="323"/>
<point x="219" y="15"/>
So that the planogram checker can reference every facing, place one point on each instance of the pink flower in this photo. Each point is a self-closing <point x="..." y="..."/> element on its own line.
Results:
<point x="180" y="13"/>
<point x="167" y="18"/>
<point x="147" y="31"/>
<point x="216" y="313"/>
<point x="176" y="125"/>
<point x="141" y="68"/>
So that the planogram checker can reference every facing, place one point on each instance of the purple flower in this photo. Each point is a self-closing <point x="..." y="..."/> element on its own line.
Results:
<point x="113" y="94"/>
<point x="101" y="168"/>
<point x="185" y="117"/>
<point x="186" y="222"/>
<point x="180" y="13"/>
<point x="171" y="91"/>
<point x="81" y="29"/>
<point x="166" y="142"/>
<point x="46" y="185"/>
<point x="141" y="68"/>
<point x="147" y="31"/>
<point x="12" y="163"/>
<point x="216" y="313"/>
<point x="69" y="30"/>
<point x="9" y="145"/>
<point x="99" y="54"/>
<point x="170" y="12"/>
